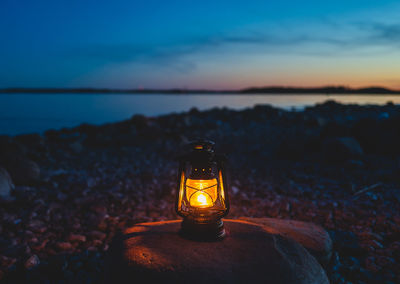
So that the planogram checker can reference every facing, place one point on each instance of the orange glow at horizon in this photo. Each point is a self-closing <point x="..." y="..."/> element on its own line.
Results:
<point x="307" y="72"/>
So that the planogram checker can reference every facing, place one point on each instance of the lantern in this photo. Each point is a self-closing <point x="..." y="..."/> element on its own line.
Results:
<point x="202" y="197"/>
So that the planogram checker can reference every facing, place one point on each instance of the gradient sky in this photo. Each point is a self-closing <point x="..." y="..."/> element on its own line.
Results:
<point x="199" y="44"/>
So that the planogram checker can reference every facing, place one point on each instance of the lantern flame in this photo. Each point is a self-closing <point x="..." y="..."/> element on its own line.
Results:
<point x="201" y="199"/>
<point x="201" y="193"/>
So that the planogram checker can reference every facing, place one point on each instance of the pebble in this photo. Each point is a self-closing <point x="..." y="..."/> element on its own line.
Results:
<point x="32" y="261"/>
<point x="97" y="235"/>
<point x="64" y="246"/>
<point x="77" y="238"/>
<point x="235" y="190"/>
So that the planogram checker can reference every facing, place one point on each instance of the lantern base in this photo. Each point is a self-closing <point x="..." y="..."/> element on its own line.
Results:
<point x="210" y="231"/>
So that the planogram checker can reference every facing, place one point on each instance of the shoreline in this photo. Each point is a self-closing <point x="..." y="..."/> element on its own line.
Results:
<point x="60" y="127"/>
<point x="202" y="94"/>
<point x="273" y="90"/>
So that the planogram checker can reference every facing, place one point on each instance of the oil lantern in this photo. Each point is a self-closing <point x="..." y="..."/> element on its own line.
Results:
<point x="202" y="197"/>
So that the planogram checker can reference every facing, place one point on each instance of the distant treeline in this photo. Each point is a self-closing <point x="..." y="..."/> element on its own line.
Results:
<point x="252" y="90"/>
<point x="321" y="90"/>
<point x="106" y="91"/>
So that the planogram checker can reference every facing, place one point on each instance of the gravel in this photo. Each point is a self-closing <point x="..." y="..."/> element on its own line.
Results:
<point x="76" y="188"/>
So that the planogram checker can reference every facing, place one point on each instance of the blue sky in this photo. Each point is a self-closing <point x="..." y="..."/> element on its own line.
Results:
<point x="199" y="44"/>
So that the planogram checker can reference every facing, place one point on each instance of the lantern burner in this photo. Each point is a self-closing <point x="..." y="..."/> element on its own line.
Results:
<point x="207" y="231"/>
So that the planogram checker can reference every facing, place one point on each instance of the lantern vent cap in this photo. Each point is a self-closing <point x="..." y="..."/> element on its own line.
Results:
<point x="202" y="145"/>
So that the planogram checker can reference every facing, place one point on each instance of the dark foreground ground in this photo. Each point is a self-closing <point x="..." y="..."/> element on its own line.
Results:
<point x="334" y="165"/>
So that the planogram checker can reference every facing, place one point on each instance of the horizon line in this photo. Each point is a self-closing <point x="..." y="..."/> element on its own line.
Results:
<point x="265" y="89"/>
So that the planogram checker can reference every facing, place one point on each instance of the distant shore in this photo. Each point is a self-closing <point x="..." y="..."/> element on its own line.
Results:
<point x="329" y="90"/>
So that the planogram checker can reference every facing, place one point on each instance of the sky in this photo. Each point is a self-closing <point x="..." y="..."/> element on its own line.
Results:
<point x="205" y="44"/>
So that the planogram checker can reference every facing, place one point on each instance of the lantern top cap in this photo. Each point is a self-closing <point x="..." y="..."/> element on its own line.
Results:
<point x="202" y="145"/>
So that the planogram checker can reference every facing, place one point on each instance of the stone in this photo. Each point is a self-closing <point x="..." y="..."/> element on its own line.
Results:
<point x="156" y="253"/>
<point x="64" y="246"/>
<point x="76" y="147"/>
<point x="96" y="235"/>
<point x="77" y="238"/>
<point x="32" y="141"/>
<point x="342" y="148"/>
<point x="6" y="184"/>
<point x="311" y="236"/>
<point x="23" y="171"/>
<point x="10" y="147"/>
<point x="32" y="262"/>
<point x="346" y="243"/>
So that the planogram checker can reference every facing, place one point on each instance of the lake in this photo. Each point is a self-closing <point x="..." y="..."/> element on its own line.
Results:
<point x="29" y="113"/>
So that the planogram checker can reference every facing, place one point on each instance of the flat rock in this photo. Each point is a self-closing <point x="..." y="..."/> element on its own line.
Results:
<point x="311" y="236"/>
<point x="156" y="253"/>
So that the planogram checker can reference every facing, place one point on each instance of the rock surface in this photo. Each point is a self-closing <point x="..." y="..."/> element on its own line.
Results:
<point x="155" y="253"/>
<point x="6" y="184"/>
<point x="312" y="237"/>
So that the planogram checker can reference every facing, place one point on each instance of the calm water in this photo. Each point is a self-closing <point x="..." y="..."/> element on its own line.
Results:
<point x="27" y="113"/>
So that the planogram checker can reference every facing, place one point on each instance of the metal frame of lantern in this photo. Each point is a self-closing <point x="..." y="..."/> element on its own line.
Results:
<point x="202" y="195"/>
